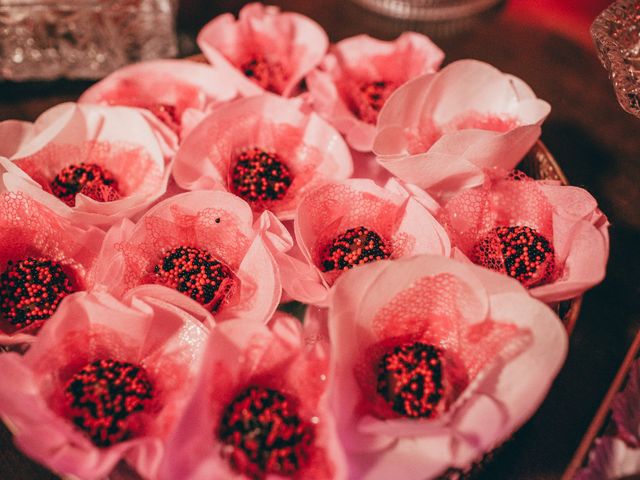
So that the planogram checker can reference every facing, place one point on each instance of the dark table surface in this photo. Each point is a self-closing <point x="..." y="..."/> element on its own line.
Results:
<point x="595" y="142"/>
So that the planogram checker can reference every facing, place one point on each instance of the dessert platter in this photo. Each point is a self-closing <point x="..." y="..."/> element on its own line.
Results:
<point x="287" y="259"/>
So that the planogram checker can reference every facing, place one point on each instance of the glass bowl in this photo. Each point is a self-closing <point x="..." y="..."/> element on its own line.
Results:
<point x="616" y="33"/>
<point x="431" y="10"/>
<point x="48" y="39"/>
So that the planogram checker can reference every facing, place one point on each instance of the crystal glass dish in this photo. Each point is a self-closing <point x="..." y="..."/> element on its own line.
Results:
<point x="432" y="10"/>
<point x="616" y="33"/>
<point x="47" y="39"/>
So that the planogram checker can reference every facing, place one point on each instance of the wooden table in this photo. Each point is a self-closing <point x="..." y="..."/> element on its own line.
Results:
<point x="597" y="145"/>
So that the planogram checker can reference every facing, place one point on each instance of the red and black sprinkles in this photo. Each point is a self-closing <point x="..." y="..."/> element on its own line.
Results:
<point x="198" y="274"/>
<point x="90" y="179"/>
<point x="520" y="251"/>
<point x="264" y="434"/>
<point x="102" y="397"/>
<point x="356" y="246"/>
<point x="260" y="177"/>
<point x="268" y="75"/>
<point x="410" y="379"/>
<point x="31" y="290"/>
<point x="367" y="99"/>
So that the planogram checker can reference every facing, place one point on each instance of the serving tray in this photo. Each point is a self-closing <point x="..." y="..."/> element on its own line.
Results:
<point x="539" y="163"/>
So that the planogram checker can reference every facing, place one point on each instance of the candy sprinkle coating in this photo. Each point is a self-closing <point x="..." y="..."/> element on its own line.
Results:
<point x="519" y="251"/>
<point x="356" y="246"/>
<point x="260" y="177"/>
<point x="410" y="379"/>
<point x="91" y="179"/>
<point x="367" y="99"/>
<point x="32" y="289"/>
<point x="102" y="397"/>
<point x="198" y="274"/>
<point x="264" y="435"/>
<point x="267" y="74"/>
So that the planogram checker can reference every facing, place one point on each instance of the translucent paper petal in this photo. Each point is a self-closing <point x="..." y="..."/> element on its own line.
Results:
<point x="440" y="130"/>
<point x="90" y="326"/>
<point x="361" y="60"/>
<point x="73" y="133"/>
<point x="178" y="86"/>
<point x="218" y="222"/>
<point x="292" y="43"/>
<point x="310" y="148"/>
<point x="242" y="353"/>
<point x="510" y="347"/>
<point x="397" y="216"/>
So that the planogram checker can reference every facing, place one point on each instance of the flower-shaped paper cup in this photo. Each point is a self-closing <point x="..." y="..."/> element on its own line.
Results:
<point x="94" y="164"/>
<point x="260" y="409"/>
<point x="177" y="92"/>
<point x="551" y="237"/>
<point x="43" y="259"/>
<point x="265" y="150"/>
<point x="435" y="363"/>
<point x="345" y="224"/>
<point x="264" y="49"/>
<point x="205" y="245"/>
<point x="441" y="131"/>
<point x="356" y="78"/>
<point x="105" y="382"/>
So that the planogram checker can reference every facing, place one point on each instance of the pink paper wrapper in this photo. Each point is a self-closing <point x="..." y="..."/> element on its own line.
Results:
<point x="306" y="149"/>
<point x="120" y="140"/>
<point x="400" y="222"/>
<point x="177" y="92"/>
<point x="442" y="130"/>
<point x="243" y="354"/>
<point x="567" y="217"/>
<point x="264" y="49"/>
<point x="502" y="349"/>
<point x="30" y="230"/>
<point x="215" y="222"/>
<point x="355" y="79"/>
<point x="146" y="331"/>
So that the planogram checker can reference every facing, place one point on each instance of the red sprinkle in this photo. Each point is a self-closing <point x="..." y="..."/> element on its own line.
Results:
<point x="264" y="435"/>
<point x="519" y="251"/>
<point x="90" y="179"/>
<point x="356" y="246"/>
<point x="410" y="379"/>
<point x="268" y="75"/>
<point x="31" y="290"/>
<point x="259" y="176"/>
<point x="368" y="98"/>
<point x="198" y="274"/>
<point x="167" y="114"/>
<point x="102" y="397"/>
